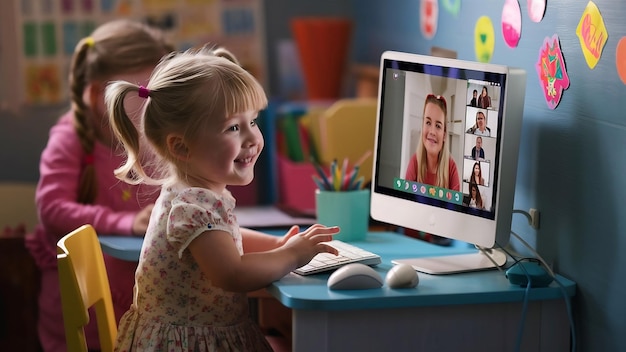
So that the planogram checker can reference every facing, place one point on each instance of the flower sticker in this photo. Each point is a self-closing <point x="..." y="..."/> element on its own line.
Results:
<point x="551" y="71"/>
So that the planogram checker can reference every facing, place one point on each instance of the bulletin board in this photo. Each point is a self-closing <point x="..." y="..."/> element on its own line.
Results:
<point x="39" y="37"/>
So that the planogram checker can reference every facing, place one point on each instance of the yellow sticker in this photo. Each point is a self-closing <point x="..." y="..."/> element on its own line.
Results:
<point x="484" y="39"/>
<point x="592" y="34"/>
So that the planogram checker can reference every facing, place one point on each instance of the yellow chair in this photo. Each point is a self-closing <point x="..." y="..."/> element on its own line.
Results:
<point x="84" y="284"/>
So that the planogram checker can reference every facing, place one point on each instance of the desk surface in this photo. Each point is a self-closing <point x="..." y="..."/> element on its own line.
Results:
<point x="122" y="247"/>
<point x="311" y="292"/>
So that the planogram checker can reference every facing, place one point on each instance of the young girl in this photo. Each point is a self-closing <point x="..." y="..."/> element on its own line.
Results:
<point x="77" y="185"/>
<point x="196" y="264"/>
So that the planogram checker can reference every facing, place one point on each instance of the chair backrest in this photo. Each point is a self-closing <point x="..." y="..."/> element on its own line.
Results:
<point x="346" y="130"/>
<point x="84" y="284"/>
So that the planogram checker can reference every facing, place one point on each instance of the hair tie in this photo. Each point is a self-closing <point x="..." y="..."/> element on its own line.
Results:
<point x="144" y="92"/>
<point x="88" y="159"/>
<point x="90" y="41"/>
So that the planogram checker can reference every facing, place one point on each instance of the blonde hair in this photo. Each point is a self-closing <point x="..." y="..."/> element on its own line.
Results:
<point x="443" y="161"/>
<point x="121" y="46"/>
<point x="186" y="91"/>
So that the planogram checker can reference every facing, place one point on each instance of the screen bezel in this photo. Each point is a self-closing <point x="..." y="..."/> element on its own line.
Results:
<point x="484" y="228"/>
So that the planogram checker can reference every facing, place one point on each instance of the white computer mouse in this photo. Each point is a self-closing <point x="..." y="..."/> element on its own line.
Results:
<point x="402" y="276"/>
<point x="354" y="276"/>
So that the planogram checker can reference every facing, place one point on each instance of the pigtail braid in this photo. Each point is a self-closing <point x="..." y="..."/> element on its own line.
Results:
<point x="87" y="187"/>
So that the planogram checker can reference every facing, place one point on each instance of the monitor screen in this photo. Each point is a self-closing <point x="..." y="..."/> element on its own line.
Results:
<point x="446" y="149"/>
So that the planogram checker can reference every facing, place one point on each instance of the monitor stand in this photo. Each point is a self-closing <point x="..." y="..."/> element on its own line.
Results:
<point x="456" y="263"/>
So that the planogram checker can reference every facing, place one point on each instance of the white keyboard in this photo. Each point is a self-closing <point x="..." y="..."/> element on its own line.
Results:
<point x="348" y="253"/>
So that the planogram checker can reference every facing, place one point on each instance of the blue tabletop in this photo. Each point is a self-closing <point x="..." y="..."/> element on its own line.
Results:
<point x="489" y="286"/>
<point x="122" y="247"/>
<point x="311" y="292"/>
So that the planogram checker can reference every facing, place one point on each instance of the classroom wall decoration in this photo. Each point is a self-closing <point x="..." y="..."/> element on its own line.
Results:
<point x="48" y="30"/>
<point x="620" y="59"/>
<point x="429" y="17"/>
<point x="536" y="10"/>
<point x="592" y="34"/>
<point x="452" y="6"/>
<point x="511" y="23"/>
<point x="551" y="71"/>
<point x="484" y="39"/>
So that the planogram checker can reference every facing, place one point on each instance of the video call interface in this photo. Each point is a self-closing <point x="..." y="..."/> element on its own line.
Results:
<point x="474" y="103"/>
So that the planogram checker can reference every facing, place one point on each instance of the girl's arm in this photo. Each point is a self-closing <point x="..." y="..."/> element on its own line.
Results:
<point x="257" y="241"/>
<point x="218" y="258"/>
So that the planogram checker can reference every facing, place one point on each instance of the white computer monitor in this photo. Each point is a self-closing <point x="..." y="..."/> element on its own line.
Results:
<point x="433" y="203"/>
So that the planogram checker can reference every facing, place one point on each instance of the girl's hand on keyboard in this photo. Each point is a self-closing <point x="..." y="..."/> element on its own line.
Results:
<point x="305" y="245"/>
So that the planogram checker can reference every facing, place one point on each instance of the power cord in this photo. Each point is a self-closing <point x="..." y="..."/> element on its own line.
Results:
<point x="487" y="252"/>
<point x="528" y="285"/>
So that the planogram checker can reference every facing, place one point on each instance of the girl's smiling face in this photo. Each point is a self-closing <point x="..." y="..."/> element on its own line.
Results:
<point x="433" y="129"/>
<point x="226" y="152"/>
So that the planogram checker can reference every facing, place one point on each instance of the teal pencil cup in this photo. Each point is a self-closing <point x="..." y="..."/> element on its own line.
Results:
<point x="350" y="210"/>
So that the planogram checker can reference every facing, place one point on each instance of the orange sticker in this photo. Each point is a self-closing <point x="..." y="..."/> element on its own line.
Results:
<point x="620" y="59"/>
<point x="592" y="34"/>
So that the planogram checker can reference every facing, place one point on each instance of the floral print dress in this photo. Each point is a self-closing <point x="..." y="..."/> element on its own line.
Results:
<point x="176" y="308"/>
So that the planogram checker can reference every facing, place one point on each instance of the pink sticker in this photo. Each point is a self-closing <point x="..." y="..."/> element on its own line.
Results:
<point x="429" y="17"/>
<point x="551" y="71"/>
<point x="536" y="9"/>
<point x="511" y="23"/>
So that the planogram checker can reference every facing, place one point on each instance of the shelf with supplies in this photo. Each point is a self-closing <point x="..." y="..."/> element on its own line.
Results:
<point x="323" y="131"/>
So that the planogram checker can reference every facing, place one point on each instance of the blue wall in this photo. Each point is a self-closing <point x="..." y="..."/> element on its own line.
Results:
<point x="572" y="159"/>
<point x="571" y="162"/>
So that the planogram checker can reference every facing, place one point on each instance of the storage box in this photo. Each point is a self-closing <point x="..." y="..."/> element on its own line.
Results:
<point x="296" y="186"/>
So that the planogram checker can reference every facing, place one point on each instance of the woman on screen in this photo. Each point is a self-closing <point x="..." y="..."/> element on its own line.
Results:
<point x="432" y="164"/>
<point x="476" y="200"/>
<point x="480" y="127"/>
<point x="474" y="101"/>
<point x="477" y="174"/>
<point x="484" y="101"/>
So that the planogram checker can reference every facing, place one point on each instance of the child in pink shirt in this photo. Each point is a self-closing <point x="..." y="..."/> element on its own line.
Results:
<point x="77" y="185"/>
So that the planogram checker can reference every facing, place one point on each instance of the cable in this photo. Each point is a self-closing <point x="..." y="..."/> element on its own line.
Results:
<point x="522" y="323"/>
<point x="552" y="274"/>
<point x="487" y="253"/>
<point x="525" y="213"/>
<point x="535" y="253"/>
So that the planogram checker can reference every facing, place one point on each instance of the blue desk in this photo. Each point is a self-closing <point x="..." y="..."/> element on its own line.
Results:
<point x="122" y="247"/>
<point x="473" y="311"/>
